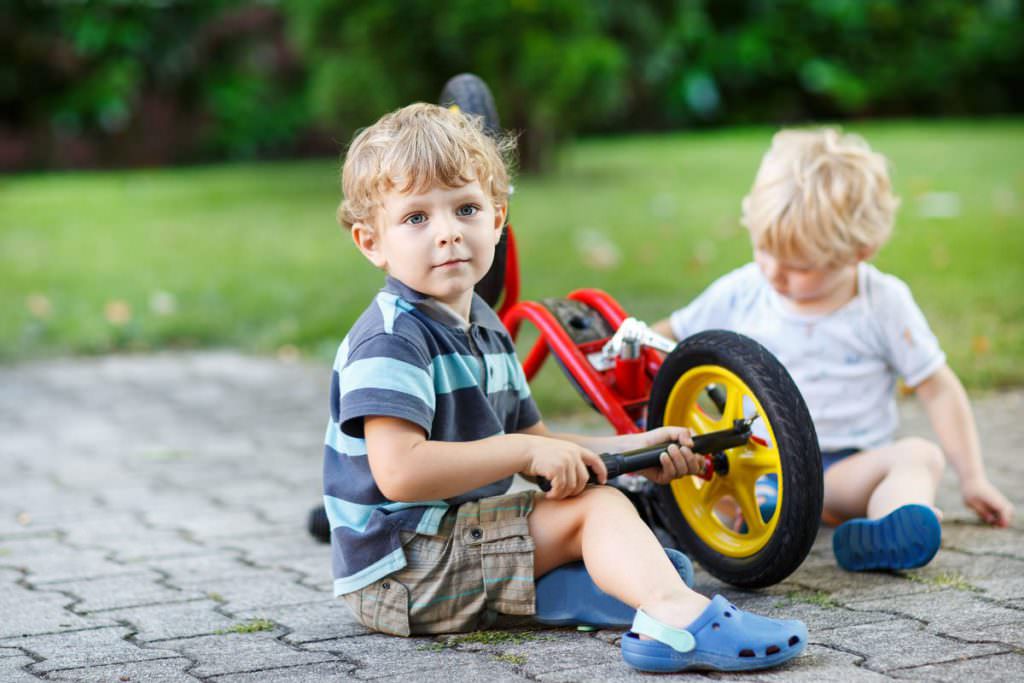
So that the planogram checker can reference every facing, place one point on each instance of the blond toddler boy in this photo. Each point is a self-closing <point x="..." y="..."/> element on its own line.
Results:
<point x="431" y="417"/>
<point x="821" y="206"/>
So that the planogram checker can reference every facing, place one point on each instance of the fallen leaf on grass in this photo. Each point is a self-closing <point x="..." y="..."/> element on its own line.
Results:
<point x="39" y="305"/>
<point x="117" y="312"/>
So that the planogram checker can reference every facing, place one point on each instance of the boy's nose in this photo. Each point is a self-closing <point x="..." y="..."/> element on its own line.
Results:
<point x="448" y="233"/>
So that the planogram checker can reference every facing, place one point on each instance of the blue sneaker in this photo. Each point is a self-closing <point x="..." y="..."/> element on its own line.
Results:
<point x="906" y="538"/>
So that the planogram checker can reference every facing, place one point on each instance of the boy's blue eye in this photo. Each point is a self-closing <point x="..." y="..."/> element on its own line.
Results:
<point x="416" y="218"/>
<point x="466" y="210"/>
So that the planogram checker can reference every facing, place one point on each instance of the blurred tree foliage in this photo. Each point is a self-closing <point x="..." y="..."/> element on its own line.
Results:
<point x="550" y="63"/>
<point x="784" y="60"/>
<point x="91" y="82"/>
<point x="558" y="66"/>
<point x="111" y="82"/>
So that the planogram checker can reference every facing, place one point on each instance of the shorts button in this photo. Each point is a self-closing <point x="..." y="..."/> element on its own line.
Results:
<point x="385" y="586"/>
<point x="476" y="533"/>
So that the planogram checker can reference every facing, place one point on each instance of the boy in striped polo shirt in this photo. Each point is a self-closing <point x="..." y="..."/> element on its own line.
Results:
<point x="431" y="417"/>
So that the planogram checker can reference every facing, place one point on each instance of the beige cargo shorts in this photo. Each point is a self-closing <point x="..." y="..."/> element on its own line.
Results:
<point x="479" y="565"/>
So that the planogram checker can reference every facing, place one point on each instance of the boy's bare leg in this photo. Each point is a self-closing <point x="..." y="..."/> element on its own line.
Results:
<point x="874" y="483"/>
<point x="621" y="554"/>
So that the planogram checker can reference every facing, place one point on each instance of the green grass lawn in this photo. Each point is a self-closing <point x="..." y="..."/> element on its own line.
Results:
<point x="249" y="256"/>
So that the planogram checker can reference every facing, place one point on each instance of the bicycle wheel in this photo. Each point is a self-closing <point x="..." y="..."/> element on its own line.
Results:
<point x="729" y="523"/>
<point x="470" y="95"/>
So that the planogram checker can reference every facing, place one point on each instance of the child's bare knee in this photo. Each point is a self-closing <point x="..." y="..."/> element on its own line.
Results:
<point x="607" y="498"/>
<point x="927" y="455"/>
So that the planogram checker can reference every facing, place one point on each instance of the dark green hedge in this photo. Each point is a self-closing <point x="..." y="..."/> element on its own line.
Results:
<point x="114" y="82"/>
<point x="151" y="81"/>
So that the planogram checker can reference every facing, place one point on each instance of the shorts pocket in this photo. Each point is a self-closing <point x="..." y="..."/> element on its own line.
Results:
<point x="506" y="560"/>
<point x="386" y="606"/>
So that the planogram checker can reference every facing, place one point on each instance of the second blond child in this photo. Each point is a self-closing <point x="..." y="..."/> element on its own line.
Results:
<point x="821" y="206"/>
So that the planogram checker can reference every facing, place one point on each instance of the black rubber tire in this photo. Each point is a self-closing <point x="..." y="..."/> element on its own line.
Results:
<point x="797" y="442"/>
<point x="472" y="96"/>
<point x="318" y="525"/>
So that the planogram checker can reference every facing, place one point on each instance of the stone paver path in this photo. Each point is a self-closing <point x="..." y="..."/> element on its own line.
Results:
<point x="152" y="515"/>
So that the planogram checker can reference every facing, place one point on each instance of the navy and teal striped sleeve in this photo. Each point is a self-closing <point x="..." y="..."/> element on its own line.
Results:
<point x="528" y="413"/>
<point x="386" y="375"/>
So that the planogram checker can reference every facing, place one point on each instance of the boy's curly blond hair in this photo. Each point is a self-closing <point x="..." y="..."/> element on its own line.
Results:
<point x="418" y="147"/>
<point x="821" y="196"/>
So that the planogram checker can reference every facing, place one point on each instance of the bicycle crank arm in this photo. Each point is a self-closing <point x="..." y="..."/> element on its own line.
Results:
<point x="642" y="458"/>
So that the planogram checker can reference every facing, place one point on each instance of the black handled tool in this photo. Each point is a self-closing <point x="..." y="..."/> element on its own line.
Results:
<point x="642" y="458"/>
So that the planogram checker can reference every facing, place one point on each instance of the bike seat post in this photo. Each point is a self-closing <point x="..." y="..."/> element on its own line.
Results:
<point x="629" y="371"/>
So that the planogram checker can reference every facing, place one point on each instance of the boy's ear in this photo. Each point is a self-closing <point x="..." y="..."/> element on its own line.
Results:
<point x="867" y="253"/>
<point x="366" y="239"/>
<point x="500" y="213"/>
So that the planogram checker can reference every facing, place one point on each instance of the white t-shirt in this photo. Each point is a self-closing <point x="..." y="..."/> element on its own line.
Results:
<point x="845" y="362"/>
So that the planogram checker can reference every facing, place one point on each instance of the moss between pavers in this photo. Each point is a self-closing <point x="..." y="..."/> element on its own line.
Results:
<point x="819" y="598"/>
<point x="517" y="660"/>
<point x="251" y="626"/>
<point x="483" y="638"/>
<point x="954" y="580"/>
<point x="494" y="638"/>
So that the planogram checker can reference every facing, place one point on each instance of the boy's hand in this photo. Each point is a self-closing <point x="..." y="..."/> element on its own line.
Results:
<point x="986" y="500"/>
<point x="564" y="464"/>
<point x="677" y="461"/>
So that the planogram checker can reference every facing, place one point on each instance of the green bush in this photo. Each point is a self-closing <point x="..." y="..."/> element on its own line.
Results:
<point x="733" y="61"/>
<point x="110" y="82"/>
<point x="551" y="64"/>
<point x="115" y="82"/>
<point x="559" y="66"/>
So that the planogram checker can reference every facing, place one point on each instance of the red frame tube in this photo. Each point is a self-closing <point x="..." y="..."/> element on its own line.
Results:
<point x="620" y="394"/>
<point x="612" y="391"/>
<point x="511" y="297"/>
<point x="552" y="335"/>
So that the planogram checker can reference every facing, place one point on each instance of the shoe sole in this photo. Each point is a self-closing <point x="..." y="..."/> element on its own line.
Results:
<point x="906" y="538"/>
<point x="655" y="657"/>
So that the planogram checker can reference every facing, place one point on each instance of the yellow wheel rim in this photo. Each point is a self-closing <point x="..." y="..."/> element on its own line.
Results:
<point x="701" y="501"/>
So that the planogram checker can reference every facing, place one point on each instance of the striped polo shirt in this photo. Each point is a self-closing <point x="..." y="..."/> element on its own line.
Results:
<point x="411" y="357"/>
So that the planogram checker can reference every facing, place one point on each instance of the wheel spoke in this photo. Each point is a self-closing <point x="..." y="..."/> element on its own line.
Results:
<point x="742" y="490"/>
<point x="711" y="492"/>
<point x="700" y="422"/>
<point x="733" y="405"/>
<point x="756" y="461"/>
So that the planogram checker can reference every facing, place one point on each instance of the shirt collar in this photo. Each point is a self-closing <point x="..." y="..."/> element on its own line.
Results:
<point x="479" y="312"/>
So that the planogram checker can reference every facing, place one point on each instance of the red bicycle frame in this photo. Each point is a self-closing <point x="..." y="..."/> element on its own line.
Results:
<point x="620" y="391"/>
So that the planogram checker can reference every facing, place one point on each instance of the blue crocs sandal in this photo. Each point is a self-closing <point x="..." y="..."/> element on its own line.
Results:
<point x="722" y="638"/>
<point x="907" y="537"/>
<point x="567" y="596"/>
